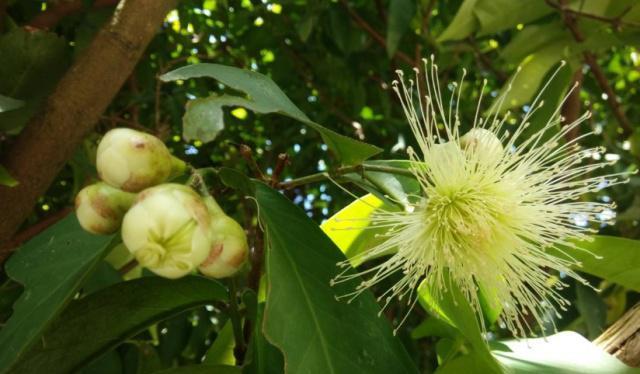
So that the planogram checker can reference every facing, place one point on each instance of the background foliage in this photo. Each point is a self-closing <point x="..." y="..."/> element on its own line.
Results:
<point x="333" y="62"/>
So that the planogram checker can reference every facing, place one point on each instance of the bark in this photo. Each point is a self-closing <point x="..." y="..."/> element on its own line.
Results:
<point x="75" y="106"/>
<point x="622" y="339"/>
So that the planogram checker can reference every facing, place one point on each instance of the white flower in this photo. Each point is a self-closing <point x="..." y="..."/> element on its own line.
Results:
<point x="492" y="203"/>
<point x="132" y="160"/>
<point x="168" y="230"/>
<point x="229" y="248"/>
<point x="100" y="208"/>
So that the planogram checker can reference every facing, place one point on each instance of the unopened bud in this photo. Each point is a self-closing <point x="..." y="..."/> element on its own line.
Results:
<point x="168" y="230"/>
<point x="484" y="143"/>
<point x="100" y="208"/>
<point x="132" y="160"/>
<point x="229" y="248"/>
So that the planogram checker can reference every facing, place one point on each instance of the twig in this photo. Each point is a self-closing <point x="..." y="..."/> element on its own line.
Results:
<point x="616" y="22"/>
<point x="591" y="60"/>
<point x="247" y="154"/>
<point x="342" y="171"/>
<point x="374" y="34"/>
<point x="128" y="267"/>
<point x="283" y="160"/>
<point x="572" y="107"/>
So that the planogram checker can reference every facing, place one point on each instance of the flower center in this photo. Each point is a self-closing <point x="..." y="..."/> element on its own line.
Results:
<point x="461" y="218"/>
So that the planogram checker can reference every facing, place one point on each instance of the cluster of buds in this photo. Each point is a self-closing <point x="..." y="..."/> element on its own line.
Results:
<point x="169" y="228"/>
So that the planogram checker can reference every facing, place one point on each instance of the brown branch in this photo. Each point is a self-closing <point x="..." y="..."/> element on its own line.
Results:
<point x="374" y="34"/>
<point x="247" y="154"/>
<point x="75" y="106"/>
<point x="572" y="107"/>
<point x="616" y="22"/>
<point x="56" y="12"/>
<point x="622" y="339"/>
<point x="591" y="60"/>
<point x="283" y="160"/>
<point x="128" y="267"/>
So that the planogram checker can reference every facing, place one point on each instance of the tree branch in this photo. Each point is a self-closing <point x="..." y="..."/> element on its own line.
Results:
<point x="374" y="34"/>
<point x="616" y="22"/>
<point x="317" y="177"/>
<point x="591" y="60"/>
<point x="75" y="106"/>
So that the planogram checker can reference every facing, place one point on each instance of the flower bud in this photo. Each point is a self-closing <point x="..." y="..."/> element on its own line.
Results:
<point x="100" y="208"/>
<point x="168" y="230"/>
<point x="483" y="143"/>
<point x="132" y="160"/>
<point x="229" y="247"/>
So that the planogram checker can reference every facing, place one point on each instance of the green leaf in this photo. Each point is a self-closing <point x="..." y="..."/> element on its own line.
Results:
<point x="51" y="267"/>
<point x="400" y="14"/>
<point x="566" y="352"/>
<point x="99" y="322"/>
<point x="7" y="104"/>
<point x="392" y="188"/>
<point x="498" y="15"/>
<point x="592" y="307"/>
<point x="533" y="69"/>
<point x="203" y="118"/>
<point x="464" y="23"/>
<point x="266" y="97"/>
<point x="611" y="258"/>
<point x="202" y="369"/>
<point x="265" y="358"/>
<point x="491" y="16"/>
<point x="329" y="336"/>
<point x="452" y="307"/>
<point x="340" y="227"/>
<point x="6" y="179"/>
<point x="32" y="63"/>
<point x="221" y="351"/>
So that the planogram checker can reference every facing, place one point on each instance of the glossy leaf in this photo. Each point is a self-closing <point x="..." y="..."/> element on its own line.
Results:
<point x="490" y="16"/>
<point x="329" y="336"/>
<point x="265" y="358"/>
<point x="566" y="352"/>
<point x="51" y="267"/>
<point x="400" y="14"/>
<point x="452" y="307"/>
<point x="99" y="322"/>
<point x="221" y="351"/>
<point x="611" y="258"/>
<point x="203" y="118"/>
<point x="266" y="97"/>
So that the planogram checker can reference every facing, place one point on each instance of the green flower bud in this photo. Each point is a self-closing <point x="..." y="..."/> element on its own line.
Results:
<point x="229" y="247"/>
<point x="168" y="230"/>
<point x="100" y="208"/>
<point x="132" y="160"/>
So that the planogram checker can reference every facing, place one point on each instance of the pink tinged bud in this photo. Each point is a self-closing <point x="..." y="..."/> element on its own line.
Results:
<point x="168" y="230"/>
<point x="229" y="248"/>
<point x="100" y="208"/>
<point x="133" y="160"/>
